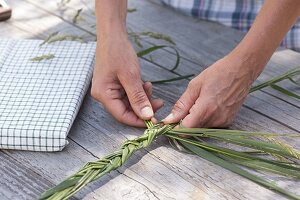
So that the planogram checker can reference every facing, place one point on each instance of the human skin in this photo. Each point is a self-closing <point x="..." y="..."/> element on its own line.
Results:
<point x="116" y="80"/>
<point x="213" y="98"/>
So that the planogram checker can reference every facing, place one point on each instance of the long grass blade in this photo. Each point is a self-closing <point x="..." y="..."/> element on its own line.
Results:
<point x="172" y="79"/>
<point x="149" y="50"/>
<point x="158" y="36"/>
<point x="235" y="154"/>
<point x="56" y="37"/>
<point x="234" y="168"/>
<point x="94" y="170"/>
<point x="77" y="17"/>
<point x="295" y="82"/>
<point x="237" y="133"/>
<point x="285" y="91"/>
<point x="243" y="139"/>
<point x="43" y="57"/>
<point x="154" y="48"/>
<point x="267" y="147"/>
<point x="288" y="74"/>
<point x="265" y="166"/>
<point x="131" y="10"/>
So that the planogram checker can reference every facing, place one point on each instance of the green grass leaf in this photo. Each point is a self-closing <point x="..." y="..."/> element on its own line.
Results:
<point x="131" y="10"/>
<point x="172" y="79"/>
<point x="287" y="75"/>
<point x="265" y="166"/>
<point x="285" y="91"/>
<point x="150" y="50"/>
<point x="43" y="57"/>
<point x="234" y="168"/>
<point x="56" y="37"/>
<point x="235" y="154"/>
<point x="77" y="17"/>
<point x="237" y="133"/>
<point x="158" y="36"/>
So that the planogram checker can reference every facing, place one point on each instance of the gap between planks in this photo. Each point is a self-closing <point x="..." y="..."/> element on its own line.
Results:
<point x="258" y="111"/>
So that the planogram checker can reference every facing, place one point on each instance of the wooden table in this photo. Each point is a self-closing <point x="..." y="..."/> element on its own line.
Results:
<point x="158" y="172"/>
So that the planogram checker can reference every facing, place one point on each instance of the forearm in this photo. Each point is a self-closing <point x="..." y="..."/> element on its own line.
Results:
<point x="266" y="33"/>
<point x="111" y="17"/>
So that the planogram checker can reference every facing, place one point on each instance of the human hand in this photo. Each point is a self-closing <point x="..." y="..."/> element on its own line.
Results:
<point x="117" y="83"/>
<point x="213" y="98"/>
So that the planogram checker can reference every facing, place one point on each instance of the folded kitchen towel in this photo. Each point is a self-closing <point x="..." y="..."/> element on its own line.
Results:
<point x="39" y="98"/>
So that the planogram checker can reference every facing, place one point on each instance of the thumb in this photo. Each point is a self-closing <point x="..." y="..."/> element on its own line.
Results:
<point x="183" y="105"/>
<point x="137" y="97"/>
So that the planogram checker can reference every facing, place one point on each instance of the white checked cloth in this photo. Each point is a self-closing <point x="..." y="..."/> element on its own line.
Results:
<point x="39" y="100"/>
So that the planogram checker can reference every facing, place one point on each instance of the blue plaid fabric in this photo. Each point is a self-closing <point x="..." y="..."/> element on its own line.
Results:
<point x="238" y="14"/>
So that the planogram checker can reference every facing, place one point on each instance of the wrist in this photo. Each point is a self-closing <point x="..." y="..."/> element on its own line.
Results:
<point x="249" y="62"/>
<point x="110" y="17"/>
<point x="116" y="30"/>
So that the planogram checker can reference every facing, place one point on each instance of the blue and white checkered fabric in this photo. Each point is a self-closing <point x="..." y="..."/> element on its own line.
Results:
<point x="238" y="14"/>
<point x="39" y="100"/>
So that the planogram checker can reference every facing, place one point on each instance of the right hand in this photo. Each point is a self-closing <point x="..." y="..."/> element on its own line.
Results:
<point x="117" y="83"/>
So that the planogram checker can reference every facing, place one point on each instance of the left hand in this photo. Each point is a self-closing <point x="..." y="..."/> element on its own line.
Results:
<point x="213" y="98"/>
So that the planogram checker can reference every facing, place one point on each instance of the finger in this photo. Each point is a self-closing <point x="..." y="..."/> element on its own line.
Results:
<point x="220" y="120"/>
<point x="198" y="116"/>
<point x="119" y="108"/>
<point x="156" y="104"/>
<point x="192" y="120"/>
<point x="116" y="103"/>
<point x="148" y="89"/>
<point x="102" y="90"/>
<point x="154" y="120"/>
<point x="137" y="96"/>
<point x="183" y="105"/>
<point x="117" y="93"/>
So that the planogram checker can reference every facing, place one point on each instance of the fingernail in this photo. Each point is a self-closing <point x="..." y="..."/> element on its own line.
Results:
<point x="168" y="118"/>
<point x="147" y="112"/>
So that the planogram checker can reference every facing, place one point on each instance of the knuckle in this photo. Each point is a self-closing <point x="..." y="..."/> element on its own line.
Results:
<point x="194" y="86"/>
<point x="224" y="122"/>
<point x="95" y="93"/>
<point x="211" y="109"/>
<point x="129" y="74"/>
<point x="139" y="97"/>
<point x="204" y="118"/>
<point x="120" y="119"/>
<point x="98" y="94"/>
<point x="191" y="84"/>
<point x="179" y="105"/>
<point x="96" y="89"/>
<point x="193" y="109"/>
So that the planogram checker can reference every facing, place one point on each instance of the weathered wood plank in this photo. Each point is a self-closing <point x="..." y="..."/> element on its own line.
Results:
<point x="42" y="167"/>
<point x="19" y="181"/>
<point x="7" y="29"/>
<point x="164" y="160"/>
<point x="29" y="18"/>
<point x="144" y="18"/>
<point x="197" y="36"/>
<point x="195" y="170"/>
<point x="247" y="119"/>
<point x="57" y="166"/>
<point x="53" y="167"/>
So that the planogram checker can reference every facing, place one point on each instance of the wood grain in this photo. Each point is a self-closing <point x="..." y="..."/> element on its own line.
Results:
<point x="158" y="172"/>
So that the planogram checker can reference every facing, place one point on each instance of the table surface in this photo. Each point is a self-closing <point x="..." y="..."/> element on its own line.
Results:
<point x="158" y="172"/>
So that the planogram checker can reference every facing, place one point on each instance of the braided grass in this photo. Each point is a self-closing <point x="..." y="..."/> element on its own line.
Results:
<point x="94" y="170"/>
<point x="285" y="161"/>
